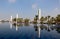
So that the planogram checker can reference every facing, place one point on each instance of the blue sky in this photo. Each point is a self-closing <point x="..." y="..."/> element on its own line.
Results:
<point x="28" y="8"/>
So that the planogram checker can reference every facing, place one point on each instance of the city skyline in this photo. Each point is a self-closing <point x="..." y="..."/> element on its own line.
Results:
<point x="28" y="8"/>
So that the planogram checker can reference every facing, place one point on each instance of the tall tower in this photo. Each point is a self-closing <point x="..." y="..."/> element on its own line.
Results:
<point x="11" y="19"/>
<point x="17" y="16"/>
<point x="39" y="14"/>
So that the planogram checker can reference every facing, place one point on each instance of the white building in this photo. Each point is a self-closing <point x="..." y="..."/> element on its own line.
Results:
<point x="16" y="15"/>
<point x="39" y="14"/>
<point x="11" y="19"/>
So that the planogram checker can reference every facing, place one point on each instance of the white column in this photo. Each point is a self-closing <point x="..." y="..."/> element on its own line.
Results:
<point x="16" y="18"/>
<point x="11" y="19"/>
<point x="39" y="14"/>
<point x="39" y="31"/>
<point x="16" y="15"/>
<point x="16" y="22"/>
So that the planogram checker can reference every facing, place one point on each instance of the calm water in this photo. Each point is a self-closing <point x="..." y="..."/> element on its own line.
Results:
<point x="29" y="31"/>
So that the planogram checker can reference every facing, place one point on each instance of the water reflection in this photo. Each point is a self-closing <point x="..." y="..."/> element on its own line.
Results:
<point x="47" y="27"/>
<point x="17" y="25"/>
<point x="10" y="25"/>
<point x="39" y="32"/>
<point x="58" y="28"/>
<point x="26" y="24"/>
<point x="37" y="28"/>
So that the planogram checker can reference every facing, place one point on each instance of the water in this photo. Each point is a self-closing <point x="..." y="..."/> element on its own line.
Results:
<point x="29" y="31"/>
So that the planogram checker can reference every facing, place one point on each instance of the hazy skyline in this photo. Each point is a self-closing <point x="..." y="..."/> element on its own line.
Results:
<point x="28" y="8"/>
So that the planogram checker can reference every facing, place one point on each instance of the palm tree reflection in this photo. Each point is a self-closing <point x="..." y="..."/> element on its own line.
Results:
<point x="37" y="28"/>
<point x="17" y="25"/>
<point x="48" y="28"/>
<point x="26" y="24"/>
<point x="57" y="28"/>
<point x="43" y="27"/>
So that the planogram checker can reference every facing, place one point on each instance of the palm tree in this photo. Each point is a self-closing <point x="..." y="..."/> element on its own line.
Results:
<point x="42" y="20"/>
<point x="58" y="18"/>
<point x="35" y="19"/>
<point x="48" y="19"/>
<point x="45" y="19"/>
<point x="26" y="20"/>
<point x="52" y="20"/>
<point x="14" y="19"/>
<point x="20" y="20"/>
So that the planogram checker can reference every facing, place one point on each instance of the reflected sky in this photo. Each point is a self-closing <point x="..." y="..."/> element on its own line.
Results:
<point x="29" y="31"/>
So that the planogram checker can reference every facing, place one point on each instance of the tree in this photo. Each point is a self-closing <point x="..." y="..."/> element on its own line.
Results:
<point x="58" y="18"/>
<point x="48" y="17"/>
<point x="35" y="19"/>
<point x="26" y="20"/>
<point x="18" y="20"/>
<point x="36" y="16"/>
<point x="45" y="18"/>
<point x="14" y="19"/>
<point x="52" y="20"/>
<point x="42" y="20"/>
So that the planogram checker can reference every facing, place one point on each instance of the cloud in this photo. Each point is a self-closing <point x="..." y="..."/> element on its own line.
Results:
<point x="11" y="1"/>
<point x="34" y="6"/>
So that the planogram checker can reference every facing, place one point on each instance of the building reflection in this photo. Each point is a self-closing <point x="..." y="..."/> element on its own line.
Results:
<point x="48" y="28"/>
<point x="37" y="28"/>
<point x="43" y="27"/>
<point x="10" y="25"/>
<point x="57" y="28"/>
<point x="39" y="31"/>
<point x="17" y="25"/>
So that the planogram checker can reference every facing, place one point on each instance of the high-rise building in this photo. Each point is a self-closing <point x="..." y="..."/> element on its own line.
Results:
<point x="11" y="19"/>
<point x="39" y="14"/>
<point x="17" y="16"/>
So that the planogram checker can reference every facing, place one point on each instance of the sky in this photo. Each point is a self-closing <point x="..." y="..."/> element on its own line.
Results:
<point x="28" y="8"/>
